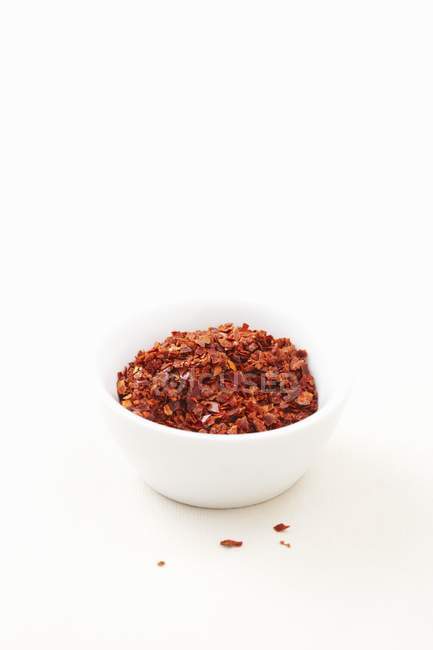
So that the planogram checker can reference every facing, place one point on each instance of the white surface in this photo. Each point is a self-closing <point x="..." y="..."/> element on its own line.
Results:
<point x="218" y="471"/>
<point x="269" y="151"/>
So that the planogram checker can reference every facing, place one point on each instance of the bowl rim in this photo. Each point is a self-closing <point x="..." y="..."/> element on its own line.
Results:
<point x="334" y="402"/>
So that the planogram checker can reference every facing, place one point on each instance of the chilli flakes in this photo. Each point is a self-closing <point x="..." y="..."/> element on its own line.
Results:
<point x="224" y="380"/>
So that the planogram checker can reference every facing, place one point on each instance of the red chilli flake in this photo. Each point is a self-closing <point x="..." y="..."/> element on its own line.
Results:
<point x="223" y="380"/>
<point x="283" y="543"/>
<point x="230" y="543"/>
<point x="280" y="527"/>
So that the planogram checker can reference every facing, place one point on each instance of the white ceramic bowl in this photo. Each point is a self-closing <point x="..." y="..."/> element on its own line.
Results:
<point x="220" y="471"/>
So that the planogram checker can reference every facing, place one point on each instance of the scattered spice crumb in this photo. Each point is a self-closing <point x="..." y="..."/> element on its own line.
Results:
<point x="280" y="527"/>
<point x="230" y="543"/>
<point x="285" y="543"/>
<point x="161" y="563"/>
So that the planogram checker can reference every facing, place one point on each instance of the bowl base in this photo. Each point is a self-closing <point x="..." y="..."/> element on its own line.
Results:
<point x="210" y="505"/>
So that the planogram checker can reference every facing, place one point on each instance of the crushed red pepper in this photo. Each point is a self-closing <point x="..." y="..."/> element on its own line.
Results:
<point x="230" y="543"/>
<point x="223" y="380"/>
<point x="283" y="543"/>
<point x="280" y="527"/>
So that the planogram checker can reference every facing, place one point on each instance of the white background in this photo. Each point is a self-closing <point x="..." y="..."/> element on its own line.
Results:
<point x="274" y="151"/>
